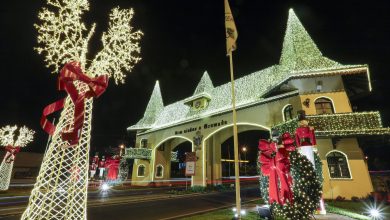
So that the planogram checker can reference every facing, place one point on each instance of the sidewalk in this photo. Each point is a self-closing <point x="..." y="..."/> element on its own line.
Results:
<point x="328" y="216"/>
<point x="331" y="216"/>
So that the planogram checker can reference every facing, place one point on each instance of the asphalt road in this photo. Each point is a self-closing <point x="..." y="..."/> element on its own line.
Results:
<point x="161" y="207"/>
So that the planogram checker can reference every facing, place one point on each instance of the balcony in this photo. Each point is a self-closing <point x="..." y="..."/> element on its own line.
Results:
<point x="145" y="154"/>
<point x="138" y="153"/>
<point x="342" y="124"/>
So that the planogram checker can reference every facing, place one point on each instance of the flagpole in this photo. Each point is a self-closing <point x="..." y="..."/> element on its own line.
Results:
<point x="235" y="138"/>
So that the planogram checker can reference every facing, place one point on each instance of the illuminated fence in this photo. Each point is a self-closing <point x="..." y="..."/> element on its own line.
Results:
<point x="174" y="156"/>
<point x="343" y="124"/>
<point x="146" y="154"/>
<point x="138" y="153"/>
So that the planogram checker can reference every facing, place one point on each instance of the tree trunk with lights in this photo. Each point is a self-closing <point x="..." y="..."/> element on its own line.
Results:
<point x="61" y="188"/>
<point x="62" y="184"/>
<point x="12" y="147"/>
<point x="5" y="172"/>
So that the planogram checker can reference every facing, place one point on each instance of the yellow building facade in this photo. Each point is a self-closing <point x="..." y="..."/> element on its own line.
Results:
<point x="303" y="80"/>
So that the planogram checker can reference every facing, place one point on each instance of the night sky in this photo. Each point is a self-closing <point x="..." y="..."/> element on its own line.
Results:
<point x="181" y="40"/>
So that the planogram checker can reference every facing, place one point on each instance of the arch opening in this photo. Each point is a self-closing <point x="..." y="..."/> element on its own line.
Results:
<point x="216" y="153"/>
<point x="168" y="160"/>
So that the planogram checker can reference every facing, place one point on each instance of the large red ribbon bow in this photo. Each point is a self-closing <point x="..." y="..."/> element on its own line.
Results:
<point x="275" y="164"/>
<point x="11" y="153"/>
<point x="68" y="74"/>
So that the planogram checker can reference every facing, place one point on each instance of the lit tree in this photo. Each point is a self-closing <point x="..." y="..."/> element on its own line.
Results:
<point x="12" y="147"/>
<point x="61" y="188"/>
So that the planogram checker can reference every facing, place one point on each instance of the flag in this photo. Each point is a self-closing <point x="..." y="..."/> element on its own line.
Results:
<point x="231" y="30"/>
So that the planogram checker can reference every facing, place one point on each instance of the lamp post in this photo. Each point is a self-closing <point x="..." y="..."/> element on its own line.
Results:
<point x="121" y="147"/>
<point x="244" y="149"/>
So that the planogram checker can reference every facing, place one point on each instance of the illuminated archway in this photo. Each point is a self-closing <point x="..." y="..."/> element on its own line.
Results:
<point x="249" y="126"/>
<point x="181" y="139"/>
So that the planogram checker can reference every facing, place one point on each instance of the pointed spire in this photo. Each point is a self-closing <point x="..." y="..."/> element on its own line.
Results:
<point x="205" y="85"/>
<point x="299" y="50"/>
<point x="155" y="105"/>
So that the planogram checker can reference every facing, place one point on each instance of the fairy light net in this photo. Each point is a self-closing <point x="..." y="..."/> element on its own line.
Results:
<point x="60" y="191"/>
<point x="12" y="146"/>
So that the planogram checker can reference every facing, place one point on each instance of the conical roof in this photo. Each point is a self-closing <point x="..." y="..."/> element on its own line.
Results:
<point x="153" y="109"/>
<point x="299" y="52"/>
<point x="205" y="85"/>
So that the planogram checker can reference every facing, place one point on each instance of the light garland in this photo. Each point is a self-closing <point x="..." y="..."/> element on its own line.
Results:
<point x="60" y="191"/>
<point x="12" y="142"/>
<point x="318" y="167"/>
<point x="7" y="135"/>
<point x="205" y="85"/>
<point x="123" y="170"/>
<point x="146" y="154"/>
<point x="174" y="156"/>
<point x="300" y="58"/>
<point x="341" y="124"/>
<point x="306" y="187"/>
<point x="299" y="50"/>
<point x="138" y="153"/>
<point x="153" y="109"/>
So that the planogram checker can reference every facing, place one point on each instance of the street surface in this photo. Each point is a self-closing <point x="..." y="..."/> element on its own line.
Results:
<point x="145" y="204"/>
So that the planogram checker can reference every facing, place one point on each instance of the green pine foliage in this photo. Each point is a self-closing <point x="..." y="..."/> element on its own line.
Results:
<point x="123" y="169"/>
<point x="318" y="163"/>
<point x="306" y="188"/>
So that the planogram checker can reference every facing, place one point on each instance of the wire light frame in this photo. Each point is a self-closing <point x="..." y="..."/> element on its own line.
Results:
<point x="12" y="144"/>
<point x="60" y="191"/>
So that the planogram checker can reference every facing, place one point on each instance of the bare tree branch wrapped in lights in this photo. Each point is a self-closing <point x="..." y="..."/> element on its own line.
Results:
<point x="12" y="147"/>
<point x="61" y="188"/>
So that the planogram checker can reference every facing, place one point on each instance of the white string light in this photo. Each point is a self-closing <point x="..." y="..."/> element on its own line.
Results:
<point x="300" y="58"/>
<point x="61" y="188"/>
<point x="7" y="139"/>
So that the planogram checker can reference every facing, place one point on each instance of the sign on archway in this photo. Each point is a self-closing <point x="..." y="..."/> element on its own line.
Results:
<point x="190" y="164"/>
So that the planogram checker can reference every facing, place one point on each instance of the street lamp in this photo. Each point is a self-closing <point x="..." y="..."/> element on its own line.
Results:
<point x="244" y="149"/>
<point x="121" y="147"/>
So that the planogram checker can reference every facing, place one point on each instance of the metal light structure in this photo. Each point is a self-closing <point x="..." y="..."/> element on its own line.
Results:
<point x="60" y="191"/>
<point x="12" y="143"/>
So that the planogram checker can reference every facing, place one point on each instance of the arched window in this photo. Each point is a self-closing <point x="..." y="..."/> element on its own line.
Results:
<point x="324" y="106"/>
<point x="144" y="143"/>
<point x="141" y="170"/>
<point x="159" y="171"/>
<point x="338" y="165"/>
<point x="288" y="112"/>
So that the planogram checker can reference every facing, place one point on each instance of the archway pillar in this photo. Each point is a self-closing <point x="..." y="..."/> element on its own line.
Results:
<point x="199" y="178"/>
<point x="162" y="157"/>
<point x="213" y="160"/>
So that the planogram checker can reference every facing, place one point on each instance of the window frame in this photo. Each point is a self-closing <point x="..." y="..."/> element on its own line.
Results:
<point x="284" y="111"/>
<point x="142" y="141"/>
<point x="333" y="108"/>
<point x="162" y="171"/>
<point x="347" y="162"/>
<point x="138" y="167"/>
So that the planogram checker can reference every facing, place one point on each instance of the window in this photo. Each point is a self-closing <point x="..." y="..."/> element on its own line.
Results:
<point x="144" y="143"/>
<point x="141" y="170"/>
<point x="288" y="112"/>
<point x="338" y="165"/>
<point x="324" y="106"/>
<point x="159" y="171"/>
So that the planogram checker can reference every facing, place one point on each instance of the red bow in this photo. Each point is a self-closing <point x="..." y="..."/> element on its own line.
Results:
<point x="276" y="165"/>
<point x="68" y="74"/>
<point x="11" y="153"/>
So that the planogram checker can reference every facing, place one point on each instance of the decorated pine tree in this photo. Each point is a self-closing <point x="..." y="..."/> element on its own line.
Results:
<point x="123" y="170"/>
<point x="60" y="191"/>
<point x="307" y="190"/>
<point x="12" y="143"/>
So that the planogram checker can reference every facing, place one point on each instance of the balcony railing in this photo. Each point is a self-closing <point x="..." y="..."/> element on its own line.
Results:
<point x="342" y="124"/>
<point x="138" y="153"/>
<point x="146" y="154"/>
